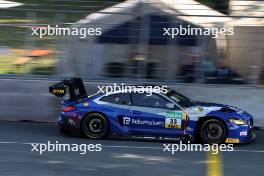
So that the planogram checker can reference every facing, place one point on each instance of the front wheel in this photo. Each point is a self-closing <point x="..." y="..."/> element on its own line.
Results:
<point x="213" y="131"/>
<point x="95" y="126"/>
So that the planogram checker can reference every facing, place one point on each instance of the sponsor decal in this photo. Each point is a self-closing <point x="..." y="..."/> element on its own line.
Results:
<point x="126" y="120"/>
<point x="178" y="115"/>
<point x="137" y="121"/>
<point x="232" y="140"/>
<point x="58" y="91"/>
<point x="243" y="133"/>
<point x="174" y="119"/>
<point x="72" y="122"/>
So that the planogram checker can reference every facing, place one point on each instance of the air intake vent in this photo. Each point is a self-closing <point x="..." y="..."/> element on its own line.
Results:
<point x="228" y="110"/>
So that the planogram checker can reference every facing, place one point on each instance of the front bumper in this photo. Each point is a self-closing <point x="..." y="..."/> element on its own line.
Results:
<point x="240" y="133"/>
<point x="253" y="136"/>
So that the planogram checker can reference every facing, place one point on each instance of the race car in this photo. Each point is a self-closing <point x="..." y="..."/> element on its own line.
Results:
<point x="159" y="114"/>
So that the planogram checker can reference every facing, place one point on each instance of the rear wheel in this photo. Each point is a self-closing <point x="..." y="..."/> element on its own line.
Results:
<point x="213" y="131"/>
<point x="95" y="126"/>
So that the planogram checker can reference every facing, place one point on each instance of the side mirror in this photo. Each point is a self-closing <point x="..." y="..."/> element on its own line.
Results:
<point x="170" y="106"/>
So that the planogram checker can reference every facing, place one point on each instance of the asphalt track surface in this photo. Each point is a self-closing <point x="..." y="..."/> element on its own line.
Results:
<point x="118" y="157"/>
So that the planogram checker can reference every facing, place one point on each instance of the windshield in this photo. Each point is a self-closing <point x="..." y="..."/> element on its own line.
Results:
<point x="180" y="99"/>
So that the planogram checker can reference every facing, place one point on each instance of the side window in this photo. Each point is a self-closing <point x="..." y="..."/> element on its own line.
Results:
<point x="154" y="101"/>
<point x="120" y="98"/>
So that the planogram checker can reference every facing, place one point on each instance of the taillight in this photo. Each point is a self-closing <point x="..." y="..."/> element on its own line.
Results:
<point x="68" y="108"/>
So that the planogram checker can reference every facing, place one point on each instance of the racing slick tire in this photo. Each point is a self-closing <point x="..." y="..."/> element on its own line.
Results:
<point x="213" y="131"/>
<point x="95" y="126"/>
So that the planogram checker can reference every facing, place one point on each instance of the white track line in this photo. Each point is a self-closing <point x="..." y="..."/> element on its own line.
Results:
<point x="251" y="151"/>
<point x="125" y="146"/>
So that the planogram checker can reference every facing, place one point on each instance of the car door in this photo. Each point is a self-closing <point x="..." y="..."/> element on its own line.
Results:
<point x="117" y="108"/>
<point x="155" y="115"/>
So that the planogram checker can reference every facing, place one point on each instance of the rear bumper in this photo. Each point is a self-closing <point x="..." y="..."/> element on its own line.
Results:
<point x="69" y="121"/>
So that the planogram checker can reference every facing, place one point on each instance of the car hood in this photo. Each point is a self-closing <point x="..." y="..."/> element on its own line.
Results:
<point x="203" y="108"/>
<point x="220" y="107"/>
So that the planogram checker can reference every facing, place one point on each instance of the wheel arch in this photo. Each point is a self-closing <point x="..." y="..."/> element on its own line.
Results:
<point x="202" y="120"/>
<point x="97" y="112"/>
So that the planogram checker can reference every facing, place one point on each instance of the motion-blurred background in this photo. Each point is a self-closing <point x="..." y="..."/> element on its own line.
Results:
<point x="131" y="45"/>
<point x="131" y="49"/>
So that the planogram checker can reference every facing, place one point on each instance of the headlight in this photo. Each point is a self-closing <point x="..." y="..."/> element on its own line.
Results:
<point x="237" y="121"/>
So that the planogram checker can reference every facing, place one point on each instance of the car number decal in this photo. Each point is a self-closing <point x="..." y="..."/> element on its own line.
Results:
<point x="174" y="119"/>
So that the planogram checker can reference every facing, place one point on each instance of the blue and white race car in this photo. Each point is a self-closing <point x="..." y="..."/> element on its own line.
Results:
<point x="161" y="115"/>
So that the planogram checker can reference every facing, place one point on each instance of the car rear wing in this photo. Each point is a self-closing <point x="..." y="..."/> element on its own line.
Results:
<point x="75" y="87"/>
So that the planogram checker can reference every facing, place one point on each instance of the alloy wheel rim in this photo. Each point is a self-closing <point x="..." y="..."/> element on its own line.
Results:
<point x="95" y="125"/>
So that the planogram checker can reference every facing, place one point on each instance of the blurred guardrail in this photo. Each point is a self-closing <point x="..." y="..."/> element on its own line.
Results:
<point x="30" y="100"/>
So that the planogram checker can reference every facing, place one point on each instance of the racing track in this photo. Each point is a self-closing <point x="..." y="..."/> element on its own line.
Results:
<point x="118" y="157"/>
